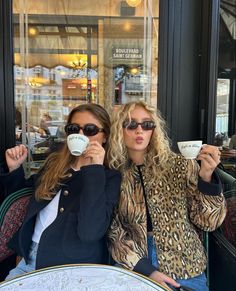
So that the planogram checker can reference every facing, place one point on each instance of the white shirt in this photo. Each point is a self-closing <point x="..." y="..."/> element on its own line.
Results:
<point x="45" y="217"/>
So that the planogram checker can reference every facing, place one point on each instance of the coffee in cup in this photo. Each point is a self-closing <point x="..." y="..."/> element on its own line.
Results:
<point x="190" y="149"/>
<point x="77" y="143"/>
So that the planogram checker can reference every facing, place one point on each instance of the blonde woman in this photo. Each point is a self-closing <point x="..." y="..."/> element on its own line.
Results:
<point x="163" y="198"/>
<point x="68" y="216"/>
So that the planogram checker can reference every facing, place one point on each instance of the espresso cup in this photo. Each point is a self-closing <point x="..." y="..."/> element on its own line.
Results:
<point x="77" y="143"/>
<point x="190" y="149"/>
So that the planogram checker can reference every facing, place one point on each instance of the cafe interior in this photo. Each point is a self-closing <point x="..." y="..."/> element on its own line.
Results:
<point x="179" y="56"/>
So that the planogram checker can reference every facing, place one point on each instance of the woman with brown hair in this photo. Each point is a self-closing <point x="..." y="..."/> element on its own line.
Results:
<point x="68" y="216"/>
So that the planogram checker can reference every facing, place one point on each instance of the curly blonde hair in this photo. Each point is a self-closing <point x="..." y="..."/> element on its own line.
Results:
<point x="158" y="151"/>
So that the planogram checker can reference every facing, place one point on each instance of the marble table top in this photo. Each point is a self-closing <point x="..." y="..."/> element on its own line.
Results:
<point x="82" y="277"/>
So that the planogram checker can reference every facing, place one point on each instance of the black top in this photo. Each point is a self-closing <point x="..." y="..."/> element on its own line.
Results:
<point x="78" y="234"/>
<point x="149" y="220"/>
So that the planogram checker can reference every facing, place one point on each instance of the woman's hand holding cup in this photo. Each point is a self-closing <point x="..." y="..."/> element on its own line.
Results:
<point x="15" y="157"/>
<point x="208" y="155"/>
<point x="210" y="158"/>
<point x="95" y="153"/>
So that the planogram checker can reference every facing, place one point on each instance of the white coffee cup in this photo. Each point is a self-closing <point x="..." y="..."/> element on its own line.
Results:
<point x="77" y="143"/>
<point x="190" y="149"/>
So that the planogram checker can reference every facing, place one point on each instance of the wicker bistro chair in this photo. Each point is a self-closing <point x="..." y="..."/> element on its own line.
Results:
<point x="222" y="249"/>
<point x="12" y="214"/>
<point x="228" y="181"/>
<point x="228" y="227"/>
<point x="221" y="244"/>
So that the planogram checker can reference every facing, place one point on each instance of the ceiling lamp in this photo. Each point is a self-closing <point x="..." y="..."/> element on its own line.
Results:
<point x="133" y="3"/>
<point x="33" y="31"/>
<point x="79" y="63"/>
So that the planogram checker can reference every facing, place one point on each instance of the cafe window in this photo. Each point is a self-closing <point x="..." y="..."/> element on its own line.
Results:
<point x="226" y="82"/>
<point x="72" y="52"/>
<point x="222" y="111"/>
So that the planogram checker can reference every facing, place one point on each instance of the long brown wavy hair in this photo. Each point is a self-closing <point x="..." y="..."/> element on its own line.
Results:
<point x="158" y="151"/>
<point x="57" y="165"/>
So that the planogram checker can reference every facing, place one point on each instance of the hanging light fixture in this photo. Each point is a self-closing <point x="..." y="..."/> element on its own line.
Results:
<point x="33" y="31"/>
<point x="133" y="3"/>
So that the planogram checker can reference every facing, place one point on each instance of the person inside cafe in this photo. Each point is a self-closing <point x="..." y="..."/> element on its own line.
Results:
<point x="232" y="143"/>
<point x="72" y="206"/>
<point x="164" y="197"/>
<point x="42" y="129"/>
<point x="34" y="134"/>
<point x="45" y="122"/>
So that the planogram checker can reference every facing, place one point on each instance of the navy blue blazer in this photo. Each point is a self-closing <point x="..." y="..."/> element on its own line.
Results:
<point x="78" y="234"/>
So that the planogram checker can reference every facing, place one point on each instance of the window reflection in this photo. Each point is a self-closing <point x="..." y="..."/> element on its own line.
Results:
<point x="225" y="115"/>
<point x="222" y="112"/>
<point x="74" y="52"/>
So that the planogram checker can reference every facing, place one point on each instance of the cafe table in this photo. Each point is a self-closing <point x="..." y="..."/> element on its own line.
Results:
<point x="81" y="277"/>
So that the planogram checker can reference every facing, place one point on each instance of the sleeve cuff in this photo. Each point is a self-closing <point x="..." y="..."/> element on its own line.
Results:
<point x="214" y="188"/>
<point x="12" y="181"/>
<point x="3" y="168"/>
<point x="144" y="267"/>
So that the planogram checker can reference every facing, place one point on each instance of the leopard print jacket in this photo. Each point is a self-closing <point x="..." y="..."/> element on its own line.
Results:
<point x="176" y="207"/>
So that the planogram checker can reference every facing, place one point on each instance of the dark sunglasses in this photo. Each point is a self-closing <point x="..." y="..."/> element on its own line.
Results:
<point x="89" y="129"/>
<point x="146" y="125"/>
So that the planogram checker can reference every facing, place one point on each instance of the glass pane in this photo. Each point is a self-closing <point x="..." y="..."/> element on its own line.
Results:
<point x="226" y="75"/>
<point x="222" y="112"/>
<point x="72" y="52"/>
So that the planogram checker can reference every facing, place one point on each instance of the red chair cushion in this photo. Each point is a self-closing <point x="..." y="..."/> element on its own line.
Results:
<point x="11" y="223"/>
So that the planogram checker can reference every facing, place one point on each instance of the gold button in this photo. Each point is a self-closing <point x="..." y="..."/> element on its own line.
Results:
<point x="62" y="209"/>
<point x="70" y="175"/>
<point x="66" y="193"/>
